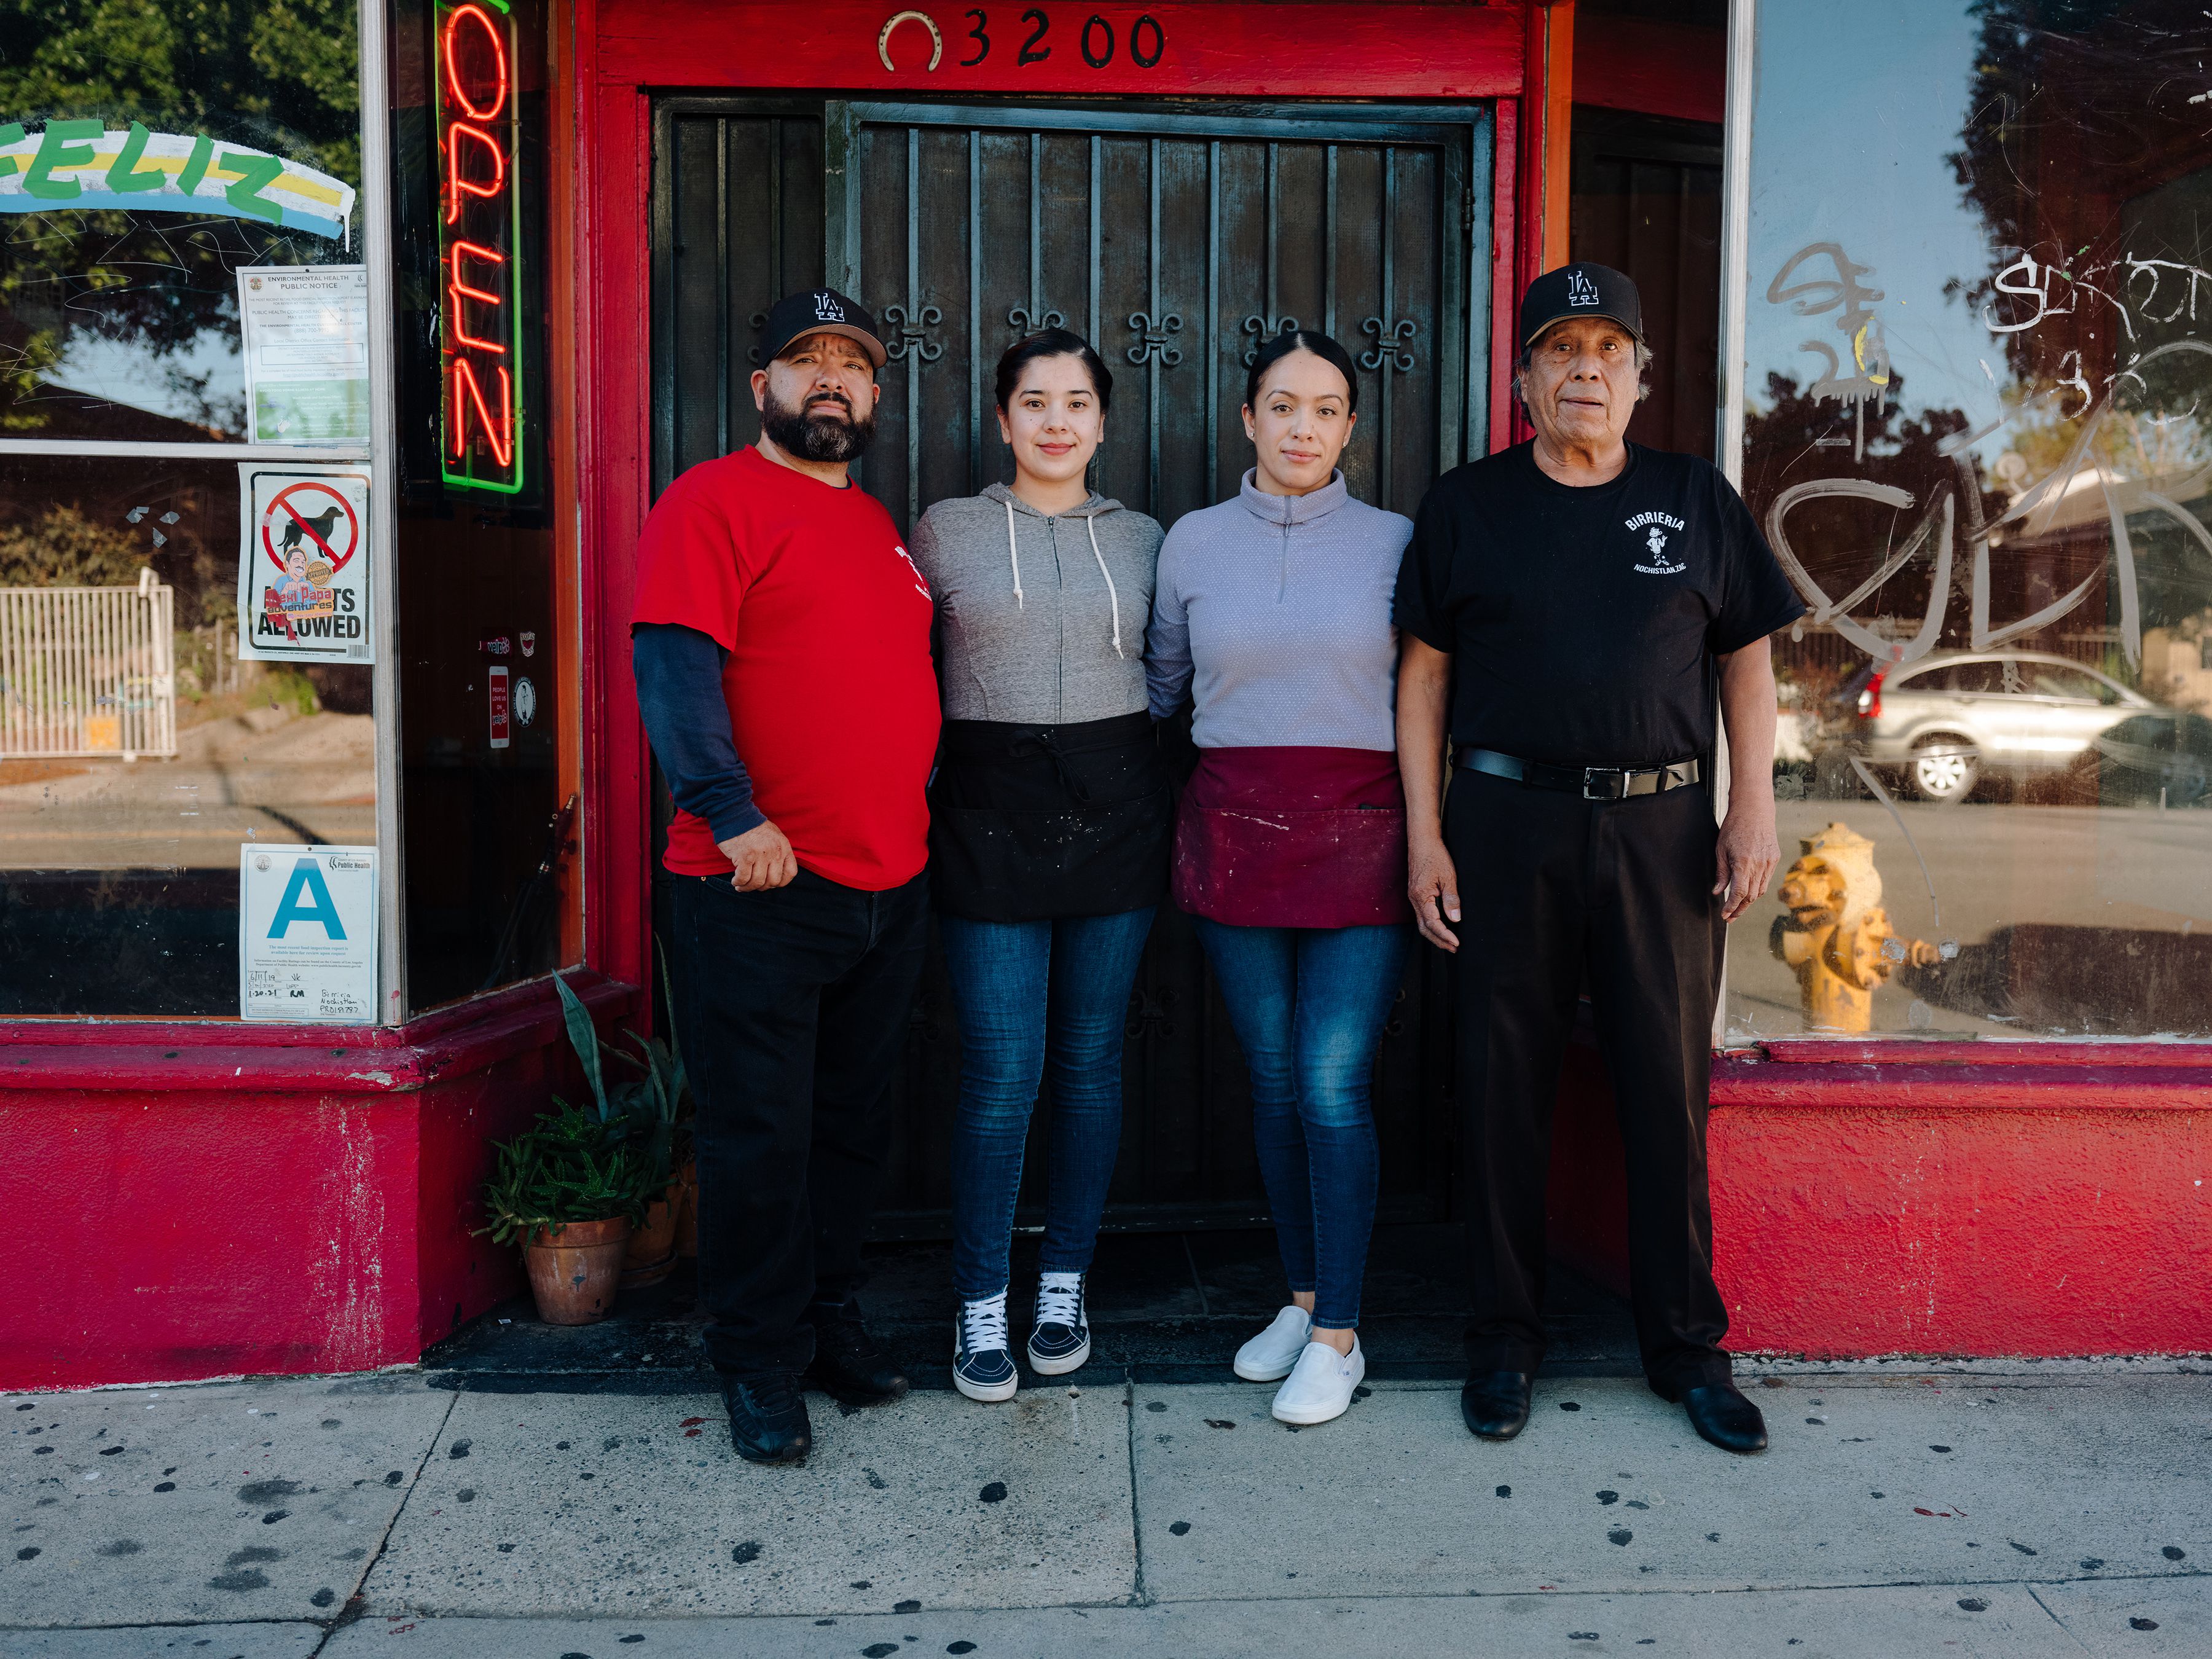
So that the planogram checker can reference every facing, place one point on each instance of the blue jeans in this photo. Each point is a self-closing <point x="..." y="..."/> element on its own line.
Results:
<point x="1309" y="1005"/>
<point x="1031" y="993"/>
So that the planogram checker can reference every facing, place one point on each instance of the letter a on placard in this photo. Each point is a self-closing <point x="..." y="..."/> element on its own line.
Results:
<point x="308" y="881"/>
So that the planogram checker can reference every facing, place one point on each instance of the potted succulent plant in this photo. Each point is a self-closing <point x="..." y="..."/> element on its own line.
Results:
<point x="644" y="1107"/>
<point x="569" y="1191"/>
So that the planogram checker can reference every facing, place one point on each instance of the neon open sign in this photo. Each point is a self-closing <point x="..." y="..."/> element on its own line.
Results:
<point x="481" y="328"/>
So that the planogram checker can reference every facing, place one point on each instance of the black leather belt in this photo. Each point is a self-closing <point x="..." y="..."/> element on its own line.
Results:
<point x="1591" y="782"/>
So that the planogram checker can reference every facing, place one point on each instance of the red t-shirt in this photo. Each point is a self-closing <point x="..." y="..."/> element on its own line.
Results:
<point x="831" y="690"/>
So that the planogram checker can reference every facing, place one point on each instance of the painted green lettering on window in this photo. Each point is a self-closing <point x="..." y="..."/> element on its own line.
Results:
<point x="196" y="164"/>
<point x="11" y="133"/>
<point x="123" y="176"/>
<point x="255" y="172"/>
<point x="55" y="152"/>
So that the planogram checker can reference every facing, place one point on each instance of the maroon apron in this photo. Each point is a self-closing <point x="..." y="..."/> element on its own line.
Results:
<point x="1293" y="837"/>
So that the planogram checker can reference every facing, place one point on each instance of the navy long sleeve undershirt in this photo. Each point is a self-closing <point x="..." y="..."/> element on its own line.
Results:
<point x="679" y="692"/>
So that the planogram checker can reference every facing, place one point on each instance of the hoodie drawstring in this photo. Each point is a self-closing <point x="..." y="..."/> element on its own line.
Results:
<point x="1113" y="598"/>
<point x="1113" y="595"/>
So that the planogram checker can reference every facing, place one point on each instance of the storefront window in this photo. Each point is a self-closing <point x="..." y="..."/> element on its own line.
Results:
<point x="156" y="161"/>
<point x="1976" y="406"/>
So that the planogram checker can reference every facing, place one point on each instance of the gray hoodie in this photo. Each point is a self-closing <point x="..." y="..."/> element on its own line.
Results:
<point x="1041" y="619"/>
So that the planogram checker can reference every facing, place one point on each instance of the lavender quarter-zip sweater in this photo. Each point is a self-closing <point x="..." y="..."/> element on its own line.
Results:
<point x="1272" y="613"/>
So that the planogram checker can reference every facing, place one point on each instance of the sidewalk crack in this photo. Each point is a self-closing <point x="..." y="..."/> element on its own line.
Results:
<point x="2035" y="1596"/>
<point x="1143" y="1597"/>
<point x="354" y="1605"/>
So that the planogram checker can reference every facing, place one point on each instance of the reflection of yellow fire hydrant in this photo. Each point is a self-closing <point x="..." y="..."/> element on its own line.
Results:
<point x="1837" y="935"/>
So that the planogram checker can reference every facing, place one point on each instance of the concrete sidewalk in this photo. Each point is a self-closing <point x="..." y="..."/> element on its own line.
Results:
<point x="458" y="1515"/>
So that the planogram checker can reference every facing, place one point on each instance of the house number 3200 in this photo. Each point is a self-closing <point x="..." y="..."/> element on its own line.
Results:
<point x="1098" y="40"/>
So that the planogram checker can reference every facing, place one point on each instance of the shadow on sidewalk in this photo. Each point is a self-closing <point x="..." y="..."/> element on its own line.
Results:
<point x="1164" y="1307"/>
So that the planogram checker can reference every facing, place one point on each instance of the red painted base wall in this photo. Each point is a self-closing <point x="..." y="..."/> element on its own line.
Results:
<point x="2029" y="1201"/>
<point x="219" y="1199"/>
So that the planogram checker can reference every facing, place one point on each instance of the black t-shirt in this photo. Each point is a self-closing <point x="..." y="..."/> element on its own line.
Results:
<point x="1580" y="620"/>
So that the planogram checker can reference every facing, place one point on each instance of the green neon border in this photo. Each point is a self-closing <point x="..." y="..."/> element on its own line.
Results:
<point x="515" y="342"/>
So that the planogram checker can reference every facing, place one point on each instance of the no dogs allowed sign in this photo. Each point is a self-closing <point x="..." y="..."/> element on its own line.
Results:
<point x="303" y="564"/>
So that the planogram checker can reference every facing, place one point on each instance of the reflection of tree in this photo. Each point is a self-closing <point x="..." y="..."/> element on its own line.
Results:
<point x="278" y="74"/>
<point x="64" y="548"/>
<point x="2073" y="107"/>
<point x="80" y="522"/>
<point x="1784" y="439"/>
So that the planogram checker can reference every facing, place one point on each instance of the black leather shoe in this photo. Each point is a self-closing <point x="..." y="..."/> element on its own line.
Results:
<point x="847" y="1365"/>
<point x="1496" y="1403"/>
<point x="1720" y="1414"/>
<point x="767" y="1418"/>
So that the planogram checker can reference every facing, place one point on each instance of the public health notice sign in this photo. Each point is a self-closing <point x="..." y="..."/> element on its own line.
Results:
<point x="303" y="335"/>
<point x="306" y="933"/>
<point x="303" y="564"/>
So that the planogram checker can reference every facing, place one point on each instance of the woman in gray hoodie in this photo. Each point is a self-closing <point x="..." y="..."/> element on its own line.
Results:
<point x="1049" y="821"/>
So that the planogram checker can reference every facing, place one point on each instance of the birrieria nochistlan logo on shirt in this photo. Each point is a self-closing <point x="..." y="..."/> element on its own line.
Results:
<point x="1655" y="527"/>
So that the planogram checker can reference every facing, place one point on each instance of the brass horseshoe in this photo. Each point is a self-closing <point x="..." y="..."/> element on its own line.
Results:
<point x="883" y="41"/>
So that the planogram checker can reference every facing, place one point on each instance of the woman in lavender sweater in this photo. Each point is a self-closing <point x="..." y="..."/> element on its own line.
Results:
<point x="1272" y="613"/>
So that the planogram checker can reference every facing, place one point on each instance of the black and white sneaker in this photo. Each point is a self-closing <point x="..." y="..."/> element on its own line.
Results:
<point x="982" y="1361"/>
<point x="1059" y="1341"/>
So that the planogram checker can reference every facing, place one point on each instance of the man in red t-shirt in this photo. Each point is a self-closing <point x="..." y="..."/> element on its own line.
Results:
<point x="780" y="642"/>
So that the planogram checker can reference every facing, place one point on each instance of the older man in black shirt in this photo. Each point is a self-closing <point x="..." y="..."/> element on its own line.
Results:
<point x="1574" y="602"/>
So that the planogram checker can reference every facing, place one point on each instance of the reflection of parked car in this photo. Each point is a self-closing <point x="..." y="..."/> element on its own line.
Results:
<point x="1947" y="719"/>
<point x="2158" y="759"/>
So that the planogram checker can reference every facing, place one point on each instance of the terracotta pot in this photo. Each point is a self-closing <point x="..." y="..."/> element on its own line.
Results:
<point x="574" y="1269"/>
<point x="652" y="1254"/>
<point x="687" y="1212"/>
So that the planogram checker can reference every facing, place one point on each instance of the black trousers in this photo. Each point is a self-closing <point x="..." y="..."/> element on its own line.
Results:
<point x="792" y="1009"/>
<point x="1556" y="889"/>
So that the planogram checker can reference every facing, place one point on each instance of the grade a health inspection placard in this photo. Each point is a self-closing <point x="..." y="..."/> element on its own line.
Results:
<point x="303" y="564"/>
<point x="306" y="933"/>
<point x="303" y="333"/>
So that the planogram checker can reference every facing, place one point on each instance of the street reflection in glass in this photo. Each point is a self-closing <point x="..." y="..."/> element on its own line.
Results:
<point x="137" y="753"/>
<point x="1979" y="431"/>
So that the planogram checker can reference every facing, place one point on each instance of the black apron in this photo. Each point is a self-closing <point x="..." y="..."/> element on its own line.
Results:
<point x="1028" y="823"/>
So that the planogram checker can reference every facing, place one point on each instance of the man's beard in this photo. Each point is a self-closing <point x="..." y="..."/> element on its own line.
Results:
<point x="817" y="436"/>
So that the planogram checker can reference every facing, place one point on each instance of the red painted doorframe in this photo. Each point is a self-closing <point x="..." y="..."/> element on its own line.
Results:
<point x="627" y="50"/>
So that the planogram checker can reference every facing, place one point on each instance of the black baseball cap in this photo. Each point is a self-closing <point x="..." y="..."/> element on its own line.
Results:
<point x="1581" y="290"/>
<point x="818" y="310"/>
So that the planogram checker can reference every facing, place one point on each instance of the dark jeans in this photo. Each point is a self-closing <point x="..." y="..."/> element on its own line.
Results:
<point x="1556" y="889"/>
<point x="1309" y="1005"/>
<point x="792" y="1011"/>
<point x="1033" y="994"/>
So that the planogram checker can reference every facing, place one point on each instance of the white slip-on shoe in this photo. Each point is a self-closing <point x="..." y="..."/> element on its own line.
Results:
<point x="1322" y="1386"/>
<point x="1268" y="1356"/>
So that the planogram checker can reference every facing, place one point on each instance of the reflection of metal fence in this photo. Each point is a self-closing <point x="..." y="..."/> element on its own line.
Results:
<point x="87" y="672"/>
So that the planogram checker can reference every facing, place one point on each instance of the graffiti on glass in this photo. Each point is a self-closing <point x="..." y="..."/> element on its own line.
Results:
<point x="2106" y="433"/>
<point x="1841" y="292"/>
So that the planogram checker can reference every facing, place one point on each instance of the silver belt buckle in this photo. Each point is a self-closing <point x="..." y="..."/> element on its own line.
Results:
<point x="1616" y="783"/>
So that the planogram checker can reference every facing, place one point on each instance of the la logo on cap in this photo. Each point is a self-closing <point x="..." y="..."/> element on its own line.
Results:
<point x="827" y="310"/>
<point x="1581" y="291"/>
